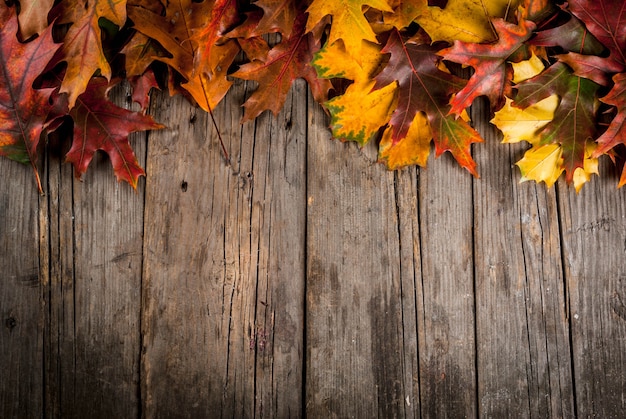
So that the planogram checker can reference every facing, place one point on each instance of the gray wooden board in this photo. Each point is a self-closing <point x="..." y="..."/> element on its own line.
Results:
<point x="522" y="329"/>
<point x="593" y="229"/>
<point x="446" y="291"/>
<point x="307" y="279"/>
<point x="223" y="313"/>
<point x="93" y="244"/>
<point x="354" y="308"/>
<point x="21" y="330"/>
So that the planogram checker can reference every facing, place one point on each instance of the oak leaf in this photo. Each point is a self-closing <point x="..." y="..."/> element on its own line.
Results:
<point x="616" y="132"/>
<point x="424" y="87"/>
<point x="349" y="22"/>
<point x="82" y="45"/>
<point x="179" y="33"/>
<point x="33" y="17"/>
<point x="492" y="76"/>
<point x="24" y="111"/>
<point x="571" y="36"/>
<point x="101" y="125"/>
<point x="573" y="126"/>
<point x="358" y="113"/>
<point x="606" y="20"/>
<point x="278" y="16"/>
<point x="286" y="62"/>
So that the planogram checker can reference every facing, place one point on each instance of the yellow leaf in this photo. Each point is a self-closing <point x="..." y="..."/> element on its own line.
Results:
<point x="412" y="149"/>
<point x="522" y="124"/>
<point x="333" y="61"/>
<point x="463" y="20"/>
<point x="527" y="69"/>
<point x="359" y="112"/>
<point x="542" y="164"/>
<point x="583" y="174"/>
<point x="349" y="22"/>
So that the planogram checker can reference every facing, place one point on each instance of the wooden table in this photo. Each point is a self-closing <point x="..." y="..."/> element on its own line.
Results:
<point x="305" y="279"/>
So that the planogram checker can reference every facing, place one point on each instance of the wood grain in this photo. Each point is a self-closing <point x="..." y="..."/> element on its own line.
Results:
<point x="522" y="330"/>
<point x="224" y="269"/>
<point x="354" y="310"/>
<point x="21" y="310"/>
<point x="593" y="229"/>
<point x="94" y="247"/>
<point x="306" y="279"/>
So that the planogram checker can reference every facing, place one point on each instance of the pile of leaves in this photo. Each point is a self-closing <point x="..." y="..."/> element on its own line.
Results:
<point x="554" y="73"/>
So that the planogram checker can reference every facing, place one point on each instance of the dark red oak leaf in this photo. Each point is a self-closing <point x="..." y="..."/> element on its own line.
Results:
<point x="101" y="125"/>
<point x="423" y="87"/>
<point x="23" y="110"/>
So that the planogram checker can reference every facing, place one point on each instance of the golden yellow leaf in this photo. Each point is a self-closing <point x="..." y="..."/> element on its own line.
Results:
<point x="527" y="69"/>
<point x="522" y="124"/>
<point x="412" y="149"/>
<point x="542" y="164"/>
<point x="463" y="20"/>
<point x="349" y="22"/>
<point x="333" y="61"/>
<point x="583" y="174"/>
<point x="359" y="113"/>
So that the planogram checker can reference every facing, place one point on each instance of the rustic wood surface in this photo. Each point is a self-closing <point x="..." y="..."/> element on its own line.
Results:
<point x="303" y="279"/>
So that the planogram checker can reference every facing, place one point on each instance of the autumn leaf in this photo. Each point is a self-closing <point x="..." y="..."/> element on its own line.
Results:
<point x="222" y="16"/>
<point x="571" y="36"/>
<point x="286" y="62"/>
<point x="33" y="17"/>
<point x="142" y="85"/>
<point x="542" y="163"/>
<point x="463" y="20"/>
<point x="359" y="112"/>
<point x="591" y="67"/>
<point x="573" y="126"/>
<point x="616" y="132"/>
<point x="278" y="16"/>
<point x="82" y="45"/>
<point x="23" y="109"/>
<point x="524" y="124"/>
<point x="179" y="32"/>
<point x="492" y="75"/>
<point x="423" y="87"/>
<point x="412" y="149"/>
<point x="606" y="20"/>
<point x="101" y="125"/>
<point x="348" y="21"/>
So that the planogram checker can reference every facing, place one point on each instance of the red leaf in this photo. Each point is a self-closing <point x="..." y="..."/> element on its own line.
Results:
<point x="23" y="110"/>
<point x="423" y="87"/>
<point x="142" y="85"/>
<point x="285" y="63"/>
<point x="101" y="125"/>
<point x="492" y="77"/>
<point x="606" y="20"/>
<point x="616" y="132"/>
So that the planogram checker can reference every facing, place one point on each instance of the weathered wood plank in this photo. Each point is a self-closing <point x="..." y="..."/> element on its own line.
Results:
<point x="445" y="291"/>
<point x="410" y="265"/>
<point x="354" y="307"/>
<point x="593" y="228"/>
<point x="223" y="314"/>
<point x="522" y="331"/>
<point x="21" y="337"/>
<point x="94" y="243"/>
